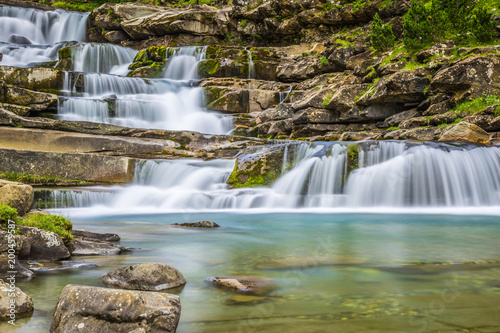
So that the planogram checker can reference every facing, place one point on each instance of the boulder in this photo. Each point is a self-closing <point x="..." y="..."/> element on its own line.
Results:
<point x="470" y="78"/>
<point x="92" y="309"/>
<point x="22" y="306"/>
<point x="89" y="235"/>
<point x="145" y="277"/>
<point x="403" y="87"/>
<point x="201" y="224"/>
<point x="244" y="284"/>
<point x="17" y="196"/>
<point x="5" y="266"/>
<point x="36" y="101"/>
<point x="32" y="78"/>
<point x="83" y="247"/>
<point x="257" y="167"/>
<point x="45" y="245"/>
<point x="464" y="131"/>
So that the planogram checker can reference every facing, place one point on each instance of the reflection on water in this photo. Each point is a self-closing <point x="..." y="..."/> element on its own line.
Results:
<point x="336" y="273"/>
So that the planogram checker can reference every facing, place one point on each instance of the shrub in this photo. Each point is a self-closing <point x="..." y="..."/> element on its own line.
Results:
<point x="428" y="21"/>
<point x="382" y="37"/>
<point x="55" y="223"/>
<point x="7" y="213"/>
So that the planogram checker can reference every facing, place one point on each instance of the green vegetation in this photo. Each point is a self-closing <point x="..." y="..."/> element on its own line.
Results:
<point x="382" y="37"/>
<point x="243" y="23"/>
<point x="430" y="21"/>
<point x="34" y="179"/>
<point x="393" y="128"/>
<point x="55" y="223"/>
<point x="323" y="61"/>
<point x="478" y="105"/>
<point x="7" y="213"/>
<point x="327" y="100"/>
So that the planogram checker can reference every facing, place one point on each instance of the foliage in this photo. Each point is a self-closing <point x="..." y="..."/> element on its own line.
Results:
<point x="429" y="21"/>
<point x="7" y="213"/>
<point x="323" y="61"/>
<point x="55" y="223"/>
<point x="478" y="105"/>
<point x="382" y="37"/>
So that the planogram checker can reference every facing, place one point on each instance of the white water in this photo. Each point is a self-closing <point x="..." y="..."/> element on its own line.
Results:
<point x="102" y="58"/>
<point x="251" y="66"/>
<point x="183" y="62"/>
<point x="171" y="103"/>
<point x="392" y="176"/>
<point x="29" y="36"/>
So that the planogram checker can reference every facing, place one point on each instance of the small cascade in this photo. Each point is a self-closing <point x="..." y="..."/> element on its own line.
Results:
<point x="183" y="62"/>
<point x="251" y="65"/>
<point x="102" y="58"/>
<point x="327" y="175"/>
<point x="284" y="94"/>
<point x="29" y="36"/>
<point x="58" y="199"/>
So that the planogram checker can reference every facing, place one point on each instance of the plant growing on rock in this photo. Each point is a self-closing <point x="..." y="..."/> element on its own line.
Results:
<point x="55" y="223"/>
<point x="382" y="37"/>
<point x="7" y="213"/>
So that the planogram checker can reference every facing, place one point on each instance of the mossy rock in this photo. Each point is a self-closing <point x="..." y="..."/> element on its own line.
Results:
<point x="257" y="167"/>
<point x="208" y="68"/>
<point x="352" y="160"/>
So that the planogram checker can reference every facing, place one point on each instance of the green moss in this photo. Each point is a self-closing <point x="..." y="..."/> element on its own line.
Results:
<point x="35" y="179"/>
<point x="352" y="162"/>
<point x="393" y="128"/>
<point x="208" y="67"/>
<point x="7" y="213"/>
<point x="478" y="105"/>
<point x="54" y="223"/>
<point x="64" y="53"/>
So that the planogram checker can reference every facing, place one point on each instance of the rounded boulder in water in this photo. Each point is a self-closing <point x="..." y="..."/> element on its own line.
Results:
<point x="151" y="277"/>
<point x="16" y="39"/>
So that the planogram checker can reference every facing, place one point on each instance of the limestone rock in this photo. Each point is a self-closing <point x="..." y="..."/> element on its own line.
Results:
<point x="244" y="284"/>
<point x="470" y="78"/>
<point x="45" y="245"/>
<point x="5" y="267"/>
<point x="17" y="196"/>
<point x="83" y="247"/>
<point x="402" y="87"/>
<point x="92" y="309"/>
<point x="89" y="235"/>
<point x="145" y="277"/>
<point x="464" y="131"/>
<point x="23" y="305"/>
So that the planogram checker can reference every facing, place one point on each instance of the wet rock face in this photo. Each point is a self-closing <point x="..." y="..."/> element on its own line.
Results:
<point x="84" y="247"/>
<point x="23" y="304"/>
<point x="152" y="277"/>
<point x="92" y="309"/>
<point x="89" y="235"/>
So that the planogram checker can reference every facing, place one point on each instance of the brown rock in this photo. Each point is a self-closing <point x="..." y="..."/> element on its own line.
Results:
<point x="244" y="284"/>
<point x="464" y="131"/>
<point x="92" y="309"/>
<point x="23" y="304"/>
<point x="17" y="196"/>
<point x="201" y="224"/>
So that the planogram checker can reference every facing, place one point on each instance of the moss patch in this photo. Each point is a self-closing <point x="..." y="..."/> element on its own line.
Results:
<point x="54" y="223"/>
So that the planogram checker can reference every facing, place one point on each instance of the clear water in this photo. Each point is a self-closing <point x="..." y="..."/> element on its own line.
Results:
<point x="376" y="294"/>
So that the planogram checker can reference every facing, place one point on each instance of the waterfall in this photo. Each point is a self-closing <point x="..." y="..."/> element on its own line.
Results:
<point x="251" y="65"/>
<point x="30" y="36"/>
<point x="171" y="103"/>
<point x="284" y="95"/>
<point x="327" y="176"/>
<point x="183" y="62"/>
<point x="102" y="58"/>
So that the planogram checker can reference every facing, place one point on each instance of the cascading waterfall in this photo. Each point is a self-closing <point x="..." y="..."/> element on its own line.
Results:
<point x="30" y="36"/>
<point x="102" y="58"/>
<point x="284" y="95"/>
<point x="171" y="103"/>
<point x="251" y="65"/>
<point x="183" y="62"/>
<point x="322" y="176"/>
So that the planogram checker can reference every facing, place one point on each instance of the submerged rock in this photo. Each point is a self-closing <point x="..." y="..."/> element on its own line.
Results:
<point x="23" y="304"/>
<point x="92" y="309"/>
<point x="145" y="277"/>
<point x="59" y="266"/>
<point x="201" y="224"/>
<point x="310" y="262"/>
<point x="244" y="284"/>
